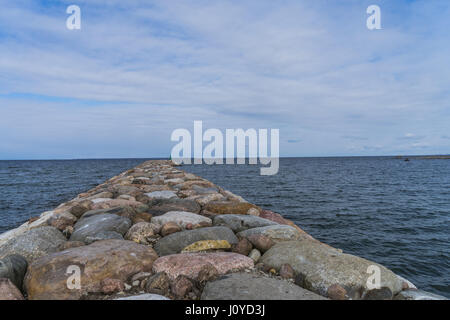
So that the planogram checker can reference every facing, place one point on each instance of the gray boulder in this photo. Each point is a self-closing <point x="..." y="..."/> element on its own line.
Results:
<point x="100" y="225"/>
<point x="277" y="233"/>
<point x="105" y="235"/>
<point x="182" y="218"/>
<point x="34" y="243"/>
<point x="240" y="222"/>
<point x="418" y="295"/>
<point x="13" y="267"/>
<point x="165" y="194"/>
<point x="321" y="266"/>
<point x="161" y="206"/>
<point x="176" y="242"/>
<point x="246" y="286"/>
<point x="203" y="190"/>
<point x="123" y="211"/>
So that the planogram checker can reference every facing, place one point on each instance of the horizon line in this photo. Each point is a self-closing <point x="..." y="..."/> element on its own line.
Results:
<point x="246" y="158"/>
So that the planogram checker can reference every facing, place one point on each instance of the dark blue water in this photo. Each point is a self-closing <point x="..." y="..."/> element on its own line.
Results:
<point x="384" y="209"/>
<point x="28" y="188"/>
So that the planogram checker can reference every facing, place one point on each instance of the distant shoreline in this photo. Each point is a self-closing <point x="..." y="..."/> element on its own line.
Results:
<point x="416" y="157"/>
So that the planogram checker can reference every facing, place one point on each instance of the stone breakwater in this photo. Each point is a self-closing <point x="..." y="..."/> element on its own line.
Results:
<point x="157" y="233"/>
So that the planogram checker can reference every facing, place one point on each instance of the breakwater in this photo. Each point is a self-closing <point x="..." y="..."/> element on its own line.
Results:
<point x="156" y="231"/>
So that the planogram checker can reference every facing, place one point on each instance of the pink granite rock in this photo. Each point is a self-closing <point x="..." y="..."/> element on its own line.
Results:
<point x="190" y="264"/>
<point x="8" y="291"/>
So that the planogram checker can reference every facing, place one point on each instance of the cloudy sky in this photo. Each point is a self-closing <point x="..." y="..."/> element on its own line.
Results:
<point x="137" y="70"/>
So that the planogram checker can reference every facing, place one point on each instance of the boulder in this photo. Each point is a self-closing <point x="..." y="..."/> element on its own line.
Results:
<point x="71" y="244"/>
<point x="182" y="218"/>
<point x="229" y="207"/>
<point x="169" y="228"/>
<point x="111" y="203"/>
<point x="153" y="187"/>
<point x="34" y="243"/>
<point x="206" y="245"/>
<point x="174" y="181"/>
<point x="176" y="242"/>
<point x="8" y="291"/>
<point x="255" y="255"/>
<point x="204" y="190"/>
<point x="110" y="286"/>
<point x="203" y="200"/>
<point x="207" y="273"/>
<point x="181" y="286"/>
<point x="141" y="217"/>
<point x="146" y="296"/>
<point x="336" y="292"/>
<point x="165" y="194"/>
<point x="78" y="208"/>
<point x="126" y="197"/>
<point x="48" y="277"/>
<point x="188" y="194"/>
<point x="142" y="232"/>
<point x="199" y="183"/>
<point x="13" y="267"/>
<point x="62" y="220"/>
<point x="103" y="195"/>
<point x="406" y="284"/>
<point x="253" y="212"/>
<point x="178" y="174"/>
<point x="247" y="286"/>
<point x="190" y="264"/>
<point x="418" y="295"/>
<point x="190" y="176"/>
<point x="142" y="180"/>
<point x="100" y="224"/>
<point x="124" y="211"/>
<point x="27" y="226"/>
<point x="383" y="293"/>
<point x="261" y="242"/>
<point x="139" y="277"/>
<point x="272" y="216"/>
<point x="231" y="196"/>
<point x="126" y="190"/>
<point x="277" y="233"/>
<point x="286" y="272"/>
<point x="159" y="283"/>
<point x="159" y="207"/>
<point x="242" y="247"/>
<point x="239" y="222"/>
<point x="322" y="266"/>
<point x="103" y="235"/>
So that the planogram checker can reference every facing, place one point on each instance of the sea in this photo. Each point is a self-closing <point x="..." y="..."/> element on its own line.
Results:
<point x="385" y="209"/>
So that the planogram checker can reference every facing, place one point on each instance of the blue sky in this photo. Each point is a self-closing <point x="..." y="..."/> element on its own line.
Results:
<point x="137" y="70"/>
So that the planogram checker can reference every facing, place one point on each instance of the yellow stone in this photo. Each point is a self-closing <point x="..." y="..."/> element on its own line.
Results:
<point x="205" y="245"/>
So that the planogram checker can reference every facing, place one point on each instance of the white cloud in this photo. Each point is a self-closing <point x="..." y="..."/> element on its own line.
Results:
<point x="310" y="69"/>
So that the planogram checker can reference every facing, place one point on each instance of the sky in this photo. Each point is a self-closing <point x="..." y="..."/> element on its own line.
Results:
<point x="137" y="70"/>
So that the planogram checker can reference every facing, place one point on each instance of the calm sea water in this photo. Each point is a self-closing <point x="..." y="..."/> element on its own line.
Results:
<point x="393" y="212"/>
